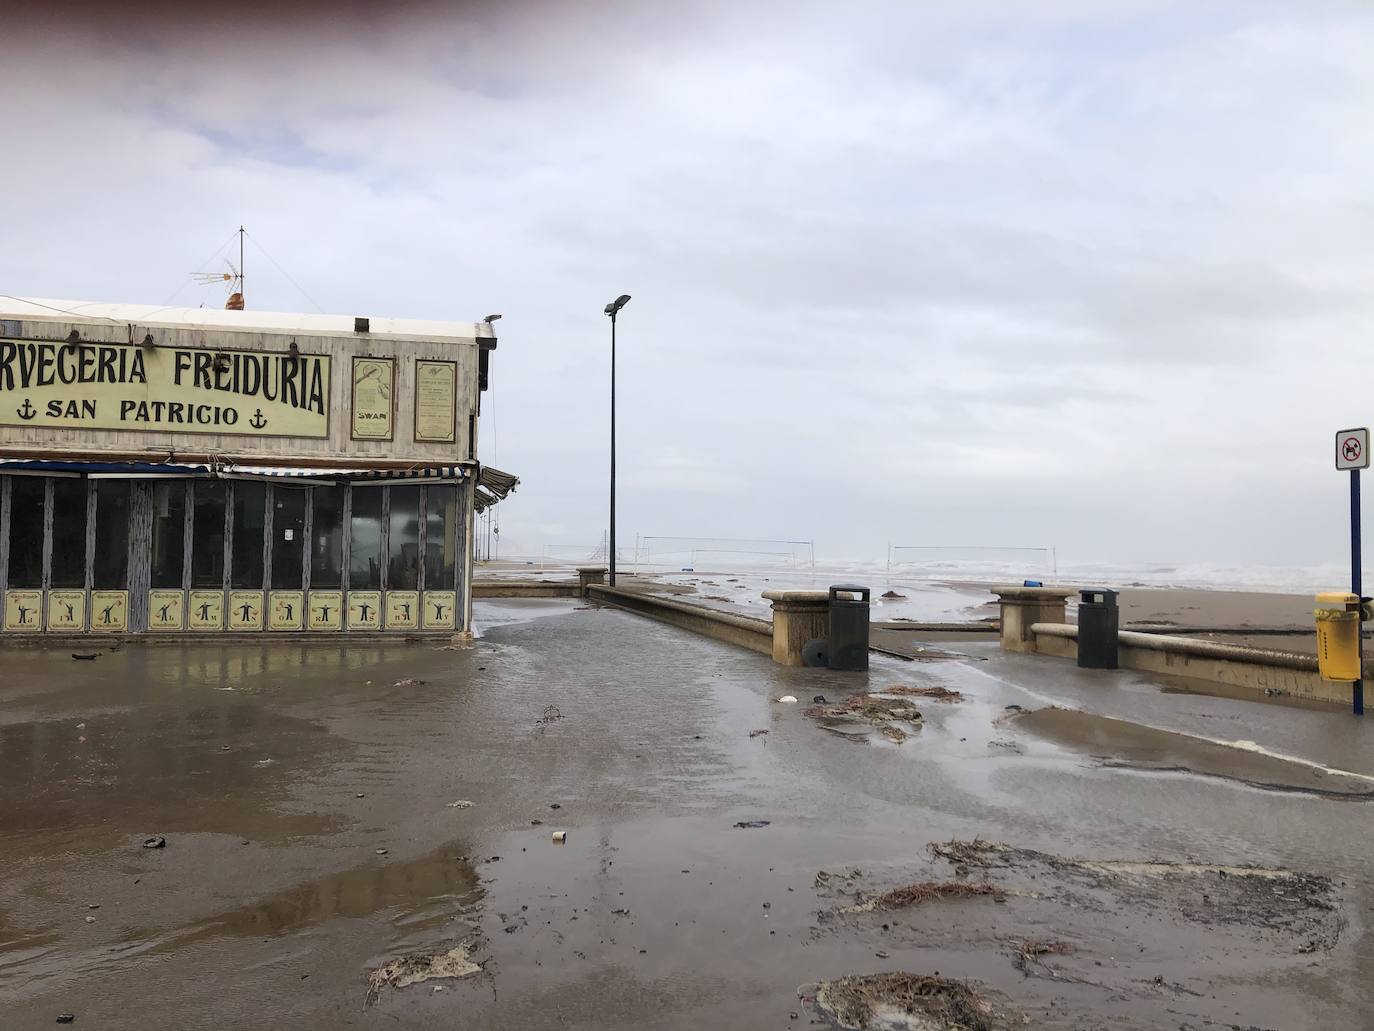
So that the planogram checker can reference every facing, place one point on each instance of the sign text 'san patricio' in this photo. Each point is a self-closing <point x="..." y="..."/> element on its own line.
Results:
<point x="113" y="386"/>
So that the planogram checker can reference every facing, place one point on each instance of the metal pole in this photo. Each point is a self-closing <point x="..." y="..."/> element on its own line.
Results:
<point x="1357" y="585"/>
<point x="611" y="548"/>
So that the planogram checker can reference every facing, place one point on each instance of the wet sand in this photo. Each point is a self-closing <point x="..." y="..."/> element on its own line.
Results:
<point x="271" y="903"/>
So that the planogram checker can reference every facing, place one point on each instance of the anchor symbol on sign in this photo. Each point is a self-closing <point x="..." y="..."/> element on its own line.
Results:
<point x="258" y="421"/>
<point x="27" y="411"/>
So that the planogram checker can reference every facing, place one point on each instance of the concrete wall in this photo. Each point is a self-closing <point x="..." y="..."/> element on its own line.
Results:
<point x="1257" y="670"/>
<point x="754" y="634"/>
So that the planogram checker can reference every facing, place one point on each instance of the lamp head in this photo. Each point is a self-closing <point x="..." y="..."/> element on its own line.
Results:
<point x="491" y="318"/>
<point x="617" y="304"/>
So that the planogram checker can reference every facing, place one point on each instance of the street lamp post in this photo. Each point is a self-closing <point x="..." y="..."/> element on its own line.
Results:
<point x="613" y="309"/>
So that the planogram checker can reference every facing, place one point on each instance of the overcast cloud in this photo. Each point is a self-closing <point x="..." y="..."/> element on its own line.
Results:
<point x="1086" y="273"/>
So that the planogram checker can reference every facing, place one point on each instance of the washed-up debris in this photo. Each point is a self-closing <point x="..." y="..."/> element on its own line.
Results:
<point x="924" y="891"/>
<point x="85" y="656"/>
<point x="420" y="966"/>
<point x="883" y="714"/>
<point x="788" y="699"/>
<point x="66" y="1018"/>
<point x="560" y="837"/>
<point x="551" y="714"/>
<point x="891" y="594"/>
<point x="90" y="919"/>
<point x="939" y="694"/>
<point x="1025" y="953"/>
<point x="1304" y="906"/>
<point x="752" y="824"/>
<point x="913" y="1001"/>
<point x="462" y="803"/>
<point x="155" y="841"/>
<point x="757" y="733"/>
<point x="381" y="851"/>
<point x="409" y="682"/>
<point x="819" y="700"/>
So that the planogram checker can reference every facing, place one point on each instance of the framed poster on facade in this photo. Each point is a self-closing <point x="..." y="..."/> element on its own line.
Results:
<point x="438" y="610"/>
<point x="286" y="610"/>
<point x="24" y="610"/>
<point x="166" y="610"/>
<point x="205" y="610"/>
<point x="67" y="610"/>
<point x="374" y="382"/>
<point x="109" y="612"/>
<point x="401" y="609"/>
<point x="364" y="610"/>
<point x="325" y="610"/>
<point x="245" y="610"/>
<point x="436" y="401"/>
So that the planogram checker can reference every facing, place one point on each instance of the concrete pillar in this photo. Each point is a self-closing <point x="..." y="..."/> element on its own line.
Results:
<point x="1023" y="606"/>
<point x="798" y="617"/>
<point x="589" y="575"/>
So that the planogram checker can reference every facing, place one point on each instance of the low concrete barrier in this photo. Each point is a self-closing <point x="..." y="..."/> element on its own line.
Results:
<point x="1262" y="670"/>
<point x="526" y="589"/>
<point x="746" y="631"/>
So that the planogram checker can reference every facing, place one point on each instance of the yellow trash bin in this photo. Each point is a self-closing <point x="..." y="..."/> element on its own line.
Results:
<point x="1338" y="636"/>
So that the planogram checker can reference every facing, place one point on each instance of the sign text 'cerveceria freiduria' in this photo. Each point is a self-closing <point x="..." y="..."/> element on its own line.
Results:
<point x="179" y="389"/>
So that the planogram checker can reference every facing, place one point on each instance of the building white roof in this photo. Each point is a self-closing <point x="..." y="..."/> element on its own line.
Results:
<point x="34" y="309"/>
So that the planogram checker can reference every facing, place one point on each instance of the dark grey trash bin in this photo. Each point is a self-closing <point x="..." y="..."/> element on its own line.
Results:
<point x="1098" y="622"/>
<point x="848" y="627"/>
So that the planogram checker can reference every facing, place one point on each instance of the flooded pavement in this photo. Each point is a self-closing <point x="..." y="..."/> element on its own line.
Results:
<point x="306" y="795"/>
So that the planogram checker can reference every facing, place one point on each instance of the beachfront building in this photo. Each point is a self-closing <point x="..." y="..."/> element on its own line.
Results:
<point x="206" y="471"/>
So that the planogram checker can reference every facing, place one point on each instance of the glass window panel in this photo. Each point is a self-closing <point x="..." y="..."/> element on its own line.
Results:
<point x="250" y="506"/>
<point x="365" y="540"/>
<point x="403" y="545"/>
<point x="326" y="527"/>
<point x="26" y="531"/>
<point x="441" y="536"/>
<point x="111" y="571"/>
<point x="288" y="537"/>
<point x="68" y="533"/>
<point x="169" y="533"/>
<point x="207" y="533"/>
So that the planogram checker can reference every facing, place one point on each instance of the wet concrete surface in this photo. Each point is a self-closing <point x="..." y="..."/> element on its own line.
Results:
<point x="280" y="888"/>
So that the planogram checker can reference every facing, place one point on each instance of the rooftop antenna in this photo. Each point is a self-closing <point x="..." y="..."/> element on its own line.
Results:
<point x="234" y="277"/>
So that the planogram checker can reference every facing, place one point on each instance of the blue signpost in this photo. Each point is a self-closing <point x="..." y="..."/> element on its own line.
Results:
<point x="1352" y="452"/>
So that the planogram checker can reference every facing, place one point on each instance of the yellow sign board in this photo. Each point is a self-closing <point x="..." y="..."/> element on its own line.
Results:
<point x="325" y="611"/>
<point x="373" y="387"/>
<point x="163" y="389"/>
<point x="436" y="400"/>
<point x="66" y="610"/>
<point x="166" y="610"/>
<point x="245" y="610"/>
<point x="205" y="610"/>
<point x="364" y="610"/>
<point x="109" y="612"/>
<point x="286" y="610"/>
<point x="23" y="610"/>
<point x="402" y="610"/>
<point x="438" y="610"/>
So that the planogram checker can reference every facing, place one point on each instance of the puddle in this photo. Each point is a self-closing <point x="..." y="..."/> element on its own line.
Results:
<point x="1123" y="745"/>
<point x="174" y="768"/>
<point x="425" y="892"/>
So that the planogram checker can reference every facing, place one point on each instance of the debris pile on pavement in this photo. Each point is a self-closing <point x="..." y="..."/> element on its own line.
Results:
<point x="901" y="1000"/>
<point x="929" y="891"/>
<point x="937" y="693"/>
<point x="421" y="966"/>
<point x="884" y="714"/>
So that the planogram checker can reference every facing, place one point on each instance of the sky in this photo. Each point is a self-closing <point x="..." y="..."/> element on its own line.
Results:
<point x="1085" y="273"/>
